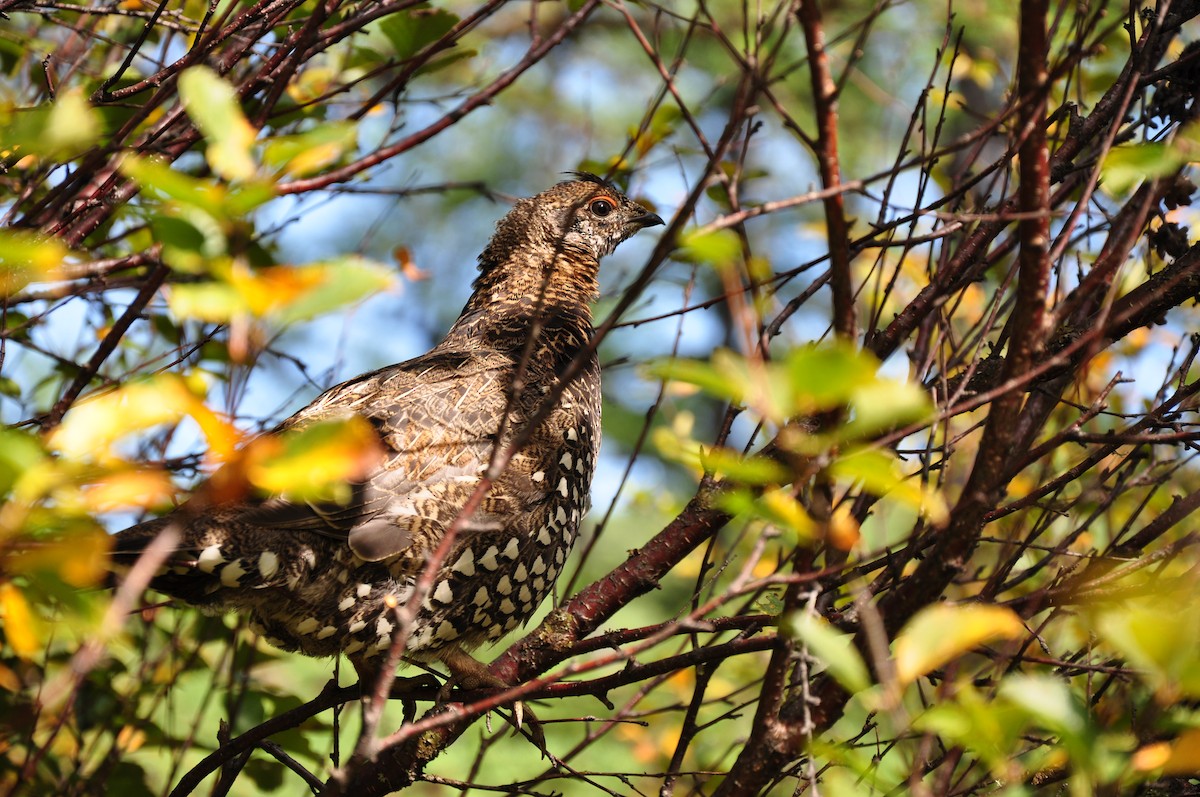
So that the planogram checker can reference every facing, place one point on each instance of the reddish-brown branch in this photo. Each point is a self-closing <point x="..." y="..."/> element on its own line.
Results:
<point x="477" y="100"/>
<point x="825" y="105"/>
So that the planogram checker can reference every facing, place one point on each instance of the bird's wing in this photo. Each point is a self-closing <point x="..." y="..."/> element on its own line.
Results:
<point x="437" y="418"/>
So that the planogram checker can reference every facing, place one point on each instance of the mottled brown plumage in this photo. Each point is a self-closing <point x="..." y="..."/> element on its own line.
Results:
<point x="316" y="579"/>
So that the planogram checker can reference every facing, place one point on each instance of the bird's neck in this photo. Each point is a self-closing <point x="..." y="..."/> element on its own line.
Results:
<point x="513" y="298"/>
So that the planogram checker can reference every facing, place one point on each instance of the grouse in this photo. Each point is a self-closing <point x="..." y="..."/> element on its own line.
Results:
<point x="324" y="579"/>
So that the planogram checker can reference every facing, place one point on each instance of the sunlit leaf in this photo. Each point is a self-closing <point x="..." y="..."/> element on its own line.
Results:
<point x="93" y="426"/>
<point x="1180" y="756"/>
<point x="158" y="176"/>
<point x="316" y="462"/>
<point x="880" y="473"/>
<point x="63" y="128"/>
<point x="829" y="375"/>
<point x="21" y="628"/>
<point x="337" y="283"/>
<point x="312" y="150"/>
<point x="739" y="468"/>
<point x="885" y="404"/>
<point x="832" y="647"/>
<point x="213" y="105"/>
<point x="941" y="633"/>
<point x="79" y="557"/>
<point x="988" y="727"/>
<point x="718" y="247"/>
<point x="1162" y="644"/>
<point x="1047" y="700"/>
<point x="142" y="488"/>
<point x="19" y="452"/>
<point x="284" y="294"/>
<point x="1125" y="167"/>
<point x="27" y="257"/>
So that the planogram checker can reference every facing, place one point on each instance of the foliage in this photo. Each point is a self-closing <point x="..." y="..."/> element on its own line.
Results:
<point x="900" y="418"/>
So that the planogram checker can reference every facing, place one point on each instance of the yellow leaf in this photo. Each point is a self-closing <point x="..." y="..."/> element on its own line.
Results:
<point x="141" y="488"/>
<point x="79" y="559"/>
<point x="130" y="739"/>
<point x="93" y="426"/>
<point x="9" y="680"/>
<point x="943" y="632"/>
<point x="1180" y="756"/>
<point x="316" y="462"/>
<point x="20" y="626"/>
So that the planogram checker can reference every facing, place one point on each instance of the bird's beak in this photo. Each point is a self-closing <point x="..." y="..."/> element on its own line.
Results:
<point x="647" y="219"/>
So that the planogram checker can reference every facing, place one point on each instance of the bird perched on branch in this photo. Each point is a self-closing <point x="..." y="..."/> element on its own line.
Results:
<point x="513" y="384"/>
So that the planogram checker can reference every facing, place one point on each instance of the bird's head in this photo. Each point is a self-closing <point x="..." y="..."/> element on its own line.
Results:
<point x="585" y="216"/>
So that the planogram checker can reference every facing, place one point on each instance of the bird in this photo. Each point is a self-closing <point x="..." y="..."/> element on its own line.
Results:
<point x="323" y="579"/>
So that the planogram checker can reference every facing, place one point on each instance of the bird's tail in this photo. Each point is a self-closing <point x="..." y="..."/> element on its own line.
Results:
<point x="201" y="563"/>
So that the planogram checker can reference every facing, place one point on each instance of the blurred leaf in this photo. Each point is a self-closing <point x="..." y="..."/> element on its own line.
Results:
<point x="61" y="129"/>
<point x="1125" y="167"/>
<point x="992" y="729"/>
<point x="337" y="283"/>
<point x="213" y="105"/>
<point x="943" y="632"/>
<point x="1047" y="700"/>
<point x="832" y="647"/>
<point x="27" y="257"/>
<point x="316" y="462"/>
<point x="214" y="302"/>
<point x="20" y="452"/>
<point x="880" y="472"/>
<point x="828" y="375"/>
<point x="192" y="241"/>
<point x="283" y="294"/>
<point x="1180" y="756"/>
<point x="1164" y="645"/>
<point x="92" y="427"/>
<point x="21" y="629"/>
<point x="807" y="380"/>
<point x="717" y="248"/>
<point x="884" y="404"/>
<point x="312" y="150"/>
<point x="411" y="32"/>
<point x="157" y="175"/>
<point x="141" y="488"/>
<point x="79" y="557"/>
<point x="749" y="469"/>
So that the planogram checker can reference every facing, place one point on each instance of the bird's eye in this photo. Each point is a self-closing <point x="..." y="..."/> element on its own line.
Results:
<point x="601" y="207"/>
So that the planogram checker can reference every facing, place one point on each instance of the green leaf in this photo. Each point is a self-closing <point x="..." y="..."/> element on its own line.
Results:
<point x="341" y="282"/>
<point x="832" y="647"/>
<point x="27" y="257"/>
<point x="729" y="464"/>
<point x="1047" y="700"/>
<point x="213" y="105"/>
<point x="316" y="462"/>
<point x="411" y="32"/>
<point x="884" y="404"/>
<point x="880" y="473"/>
<point x="1163" y="645"/>
<point x="213" y="302"/>
<point x="1125" y="167"/>
<point x="717" y="248"/>
<point x="943" y="632"/>
<point x="157" y="176"/>
<point x="312" y="150"/>
<point x="829" y="375"/>
<point x="62" y="129"/>
<point x="19" y="453"/>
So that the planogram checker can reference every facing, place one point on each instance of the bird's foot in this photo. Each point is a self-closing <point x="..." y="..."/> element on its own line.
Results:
<point x="468" y="672"/>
